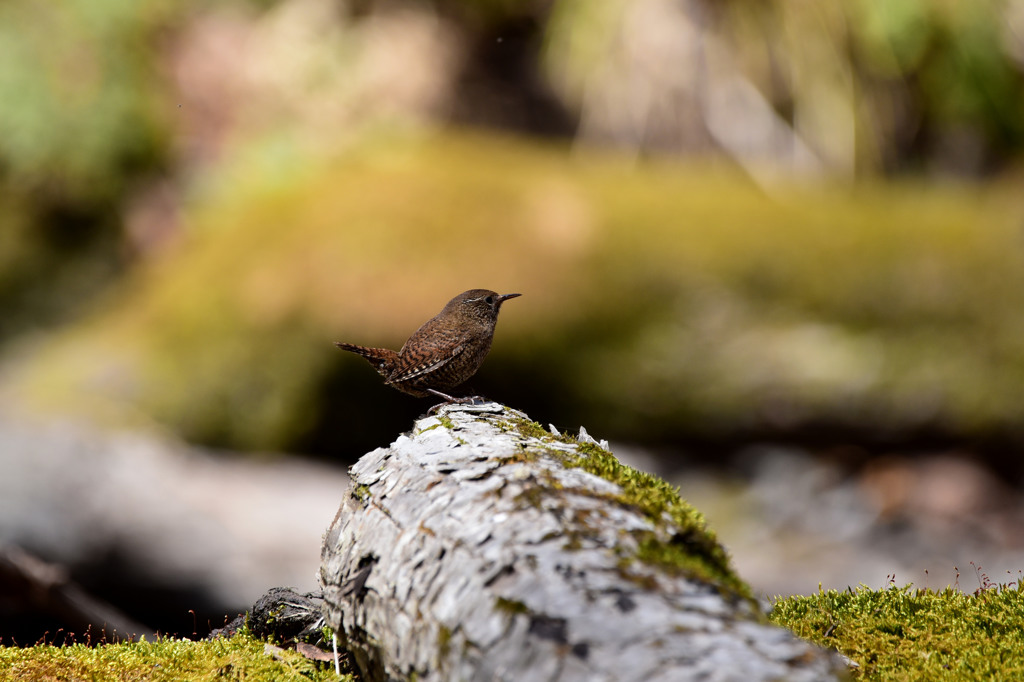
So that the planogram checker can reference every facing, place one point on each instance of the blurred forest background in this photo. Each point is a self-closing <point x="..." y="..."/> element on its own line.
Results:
<point x="775" y="250"/>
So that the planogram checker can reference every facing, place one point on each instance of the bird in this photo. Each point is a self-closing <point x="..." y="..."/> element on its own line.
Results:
<point x="443" y="353"/>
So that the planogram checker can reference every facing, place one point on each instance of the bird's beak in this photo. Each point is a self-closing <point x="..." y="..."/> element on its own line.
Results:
<point x="505" y="297"/>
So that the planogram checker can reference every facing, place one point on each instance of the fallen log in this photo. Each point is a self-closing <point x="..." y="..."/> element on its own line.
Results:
<point x="481" y="546"/>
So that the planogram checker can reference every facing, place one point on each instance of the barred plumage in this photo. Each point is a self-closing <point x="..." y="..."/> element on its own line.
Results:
<point x="445" y="352"/>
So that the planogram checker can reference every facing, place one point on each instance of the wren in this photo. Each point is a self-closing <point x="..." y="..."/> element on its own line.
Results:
<point x="445" y="352"/>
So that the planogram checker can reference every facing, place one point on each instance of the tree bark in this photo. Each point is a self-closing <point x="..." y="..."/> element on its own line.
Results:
<point x="470" y="550"/>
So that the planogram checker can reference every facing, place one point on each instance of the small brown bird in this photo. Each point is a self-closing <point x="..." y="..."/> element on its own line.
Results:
<point x="445" y="352"/>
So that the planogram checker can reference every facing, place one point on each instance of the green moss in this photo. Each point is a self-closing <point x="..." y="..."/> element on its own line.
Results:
<point x="532" y="495"/>
<point x="444" y="641"/>
<point x="361" y="493"/>
<point x="510" y="606"/>
<point x="531" y="429"/>
<point x="574" y="541"/>
<point x="271" y="619"/>
<point x="694" y="553"/>
<point x="522" y="456"/>
<point x="691" y="549"/>
<point x="239" y="658"/>
<point x="909" y="634"/>
<point x="448" y="424"/>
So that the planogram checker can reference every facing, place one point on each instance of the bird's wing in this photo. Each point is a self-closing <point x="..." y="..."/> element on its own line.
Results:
<point x="411" y="365"/>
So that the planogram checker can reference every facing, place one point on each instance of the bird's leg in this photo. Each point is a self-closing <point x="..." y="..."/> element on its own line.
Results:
<point x="451" y="399"/>
<point x="445" y="396"/>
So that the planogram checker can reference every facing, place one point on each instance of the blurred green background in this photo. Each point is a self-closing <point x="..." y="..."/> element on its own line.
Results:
<point x="729" y="220"/>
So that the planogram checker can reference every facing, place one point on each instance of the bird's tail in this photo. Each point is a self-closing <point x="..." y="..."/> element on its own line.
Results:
<point x="383" y="359"/>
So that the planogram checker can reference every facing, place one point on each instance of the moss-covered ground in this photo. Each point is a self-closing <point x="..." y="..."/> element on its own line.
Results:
<point x="241" y="657"/>
<point x="894" y="634"/>
<point x="911" y="634"/>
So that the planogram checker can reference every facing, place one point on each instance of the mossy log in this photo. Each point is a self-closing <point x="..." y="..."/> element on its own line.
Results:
<point x="481" y="546"/>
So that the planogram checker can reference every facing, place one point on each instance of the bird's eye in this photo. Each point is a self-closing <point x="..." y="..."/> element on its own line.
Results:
<point x="489" y="300"/>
